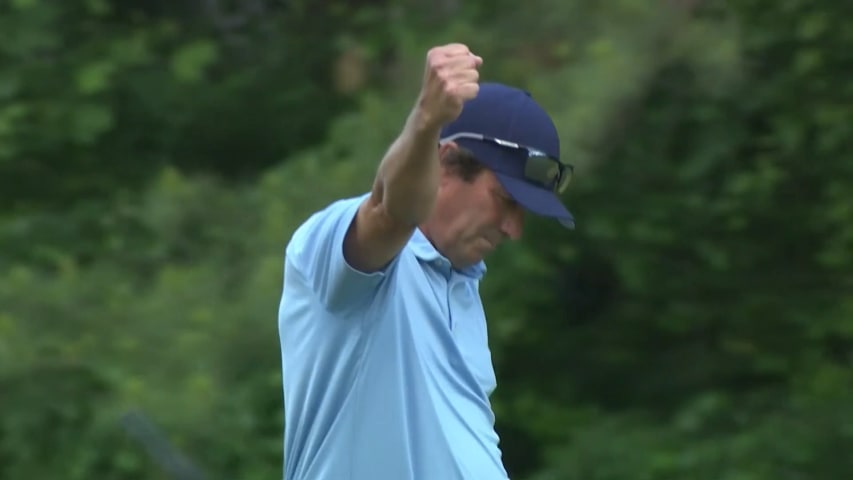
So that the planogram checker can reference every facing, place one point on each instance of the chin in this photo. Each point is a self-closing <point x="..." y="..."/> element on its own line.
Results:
<point x="476" y="258"/>
<point x="465" y="262"/>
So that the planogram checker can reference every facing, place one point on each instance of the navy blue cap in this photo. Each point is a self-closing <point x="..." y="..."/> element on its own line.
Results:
<point x="511" y="114"/>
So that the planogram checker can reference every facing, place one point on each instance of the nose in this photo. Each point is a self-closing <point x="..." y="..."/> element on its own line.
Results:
<point x="513" y="223"/>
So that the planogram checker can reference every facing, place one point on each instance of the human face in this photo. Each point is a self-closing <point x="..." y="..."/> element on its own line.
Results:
<point x="471" y="219"/>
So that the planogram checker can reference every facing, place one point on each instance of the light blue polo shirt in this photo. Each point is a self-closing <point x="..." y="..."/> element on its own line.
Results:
<point x="387" y="376"/>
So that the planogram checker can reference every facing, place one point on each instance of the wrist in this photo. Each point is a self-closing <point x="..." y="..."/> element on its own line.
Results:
<point x="424" y="120"/>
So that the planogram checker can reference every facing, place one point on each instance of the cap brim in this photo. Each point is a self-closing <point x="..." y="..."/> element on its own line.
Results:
<point x="539" y="201"/>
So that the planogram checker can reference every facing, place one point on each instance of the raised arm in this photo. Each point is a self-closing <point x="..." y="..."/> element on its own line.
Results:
<point x="406" y="184"/>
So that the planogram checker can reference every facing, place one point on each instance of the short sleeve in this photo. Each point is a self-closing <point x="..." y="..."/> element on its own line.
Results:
<point x="317" y="252"/>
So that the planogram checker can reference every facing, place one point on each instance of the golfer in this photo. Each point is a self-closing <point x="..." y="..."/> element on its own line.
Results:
<point x="385" y="359"/>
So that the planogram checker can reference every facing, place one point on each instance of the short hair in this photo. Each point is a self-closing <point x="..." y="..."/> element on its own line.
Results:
<point x="462" y="163"/>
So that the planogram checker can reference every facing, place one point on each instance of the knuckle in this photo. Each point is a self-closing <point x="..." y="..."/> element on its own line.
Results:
<point x="441" y="63"/>
<point x="434" y="56"/>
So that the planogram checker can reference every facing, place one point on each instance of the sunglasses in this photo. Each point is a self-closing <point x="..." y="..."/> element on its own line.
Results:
<point x="539" y="167"/>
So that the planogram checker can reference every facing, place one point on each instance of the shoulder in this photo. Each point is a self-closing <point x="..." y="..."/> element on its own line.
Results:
<point x="324" y="223"/>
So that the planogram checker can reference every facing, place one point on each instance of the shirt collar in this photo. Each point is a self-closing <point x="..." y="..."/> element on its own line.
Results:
<point x="424" y="250"/>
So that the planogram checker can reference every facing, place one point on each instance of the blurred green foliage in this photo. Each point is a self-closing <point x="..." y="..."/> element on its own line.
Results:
<point x="698" y="324"/>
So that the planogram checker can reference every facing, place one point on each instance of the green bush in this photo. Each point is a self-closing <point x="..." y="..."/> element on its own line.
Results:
<point x="696" y="325"/>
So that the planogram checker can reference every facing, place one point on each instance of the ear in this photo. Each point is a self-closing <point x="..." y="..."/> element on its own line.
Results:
<point x="444" y="150"/>
<point x="447" y="147"/>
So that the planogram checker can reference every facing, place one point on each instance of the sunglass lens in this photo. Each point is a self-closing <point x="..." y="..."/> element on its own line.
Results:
<point x="565" y="179"/>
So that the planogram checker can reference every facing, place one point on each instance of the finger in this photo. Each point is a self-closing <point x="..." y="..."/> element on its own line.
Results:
<point x="465" y="75"/>
<point x="454" y="49"/>
<point x="460" y="62"/>
<point x="466" y="91"/>
<point x="462" y="58"/>
<point x="460" y="53"/>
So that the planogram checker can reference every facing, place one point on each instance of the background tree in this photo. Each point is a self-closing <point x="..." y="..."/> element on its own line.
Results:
<point x="156" y="156"/>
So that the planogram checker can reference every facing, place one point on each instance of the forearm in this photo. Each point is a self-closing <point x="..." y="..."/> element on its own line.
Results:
<point x="407" y="180"/>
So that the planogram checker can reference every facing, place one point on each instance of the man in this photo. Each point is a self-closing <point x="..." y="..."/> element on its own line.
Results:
<point x="386" y="365"/>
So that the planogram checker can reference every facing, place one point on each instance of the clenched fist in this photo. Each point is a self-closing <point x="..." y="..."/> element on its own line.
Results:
<point x="450" y="79"/>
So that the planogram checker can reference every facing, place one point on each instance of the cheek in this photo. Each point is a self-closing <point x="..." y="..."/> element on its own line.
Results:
<point x="478" y="213"/>
<point x="493" y="213"/>
<point x="483" y="214"/>
<point x="482" y="222"/>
